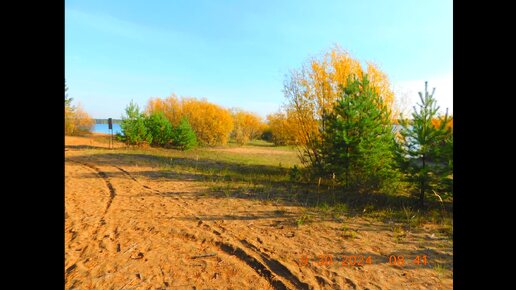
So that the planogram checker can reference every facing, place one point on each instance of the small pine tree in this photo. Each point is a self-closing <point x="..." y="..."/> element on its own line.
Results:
<point x="426" y="149"/>
<point x="184" y="137"/>
<point x="358" y="139"/>
<point x="133" y="127"/>
<point x="160" y="129"/>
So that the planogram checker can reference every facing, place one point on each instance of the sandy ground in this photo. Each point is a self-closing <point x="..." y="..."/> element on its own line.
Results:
<point x="96" y="140"/>
<point x="128" y="227"/>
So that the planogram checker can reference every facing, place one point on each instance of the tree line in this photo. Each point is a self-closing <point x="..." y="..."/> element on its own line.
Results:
<point x="105" y="121"/>
<point x="341" y="116"/>
<point x="207" y="123"/>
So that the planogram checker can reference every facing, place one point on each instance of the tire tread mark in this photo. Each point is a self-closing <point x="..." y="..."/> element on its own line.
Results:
<point x="273" y="266"/>
<point x="112" y="191"/>
<point x="112" y="194"/>
<point x="277" y="267"/>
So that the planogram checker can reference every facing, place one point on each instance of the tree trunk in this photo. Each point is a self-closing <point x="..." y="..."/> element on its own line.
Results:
<point x="347" y="166"/>
<point x="423" y="184"/>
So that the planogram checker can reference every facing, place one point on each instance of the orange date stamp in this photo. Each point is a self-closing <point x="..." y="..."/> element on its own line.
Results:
<point x="360" y="260"/>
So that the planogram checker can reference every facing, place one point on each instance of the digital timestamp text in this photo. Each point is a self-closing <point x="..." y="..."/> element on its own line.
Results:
<point x="358" y="260"/>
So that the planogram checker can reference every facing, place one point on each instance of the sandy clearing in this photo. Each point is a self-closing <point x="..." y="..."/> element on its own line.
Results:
<point x="136" y="242"/>
<point x="153" y="227"/>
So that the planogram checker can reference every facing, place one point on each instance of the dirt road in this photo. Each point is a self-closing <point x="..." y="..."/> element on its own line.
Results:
<point x="131" y="227"/>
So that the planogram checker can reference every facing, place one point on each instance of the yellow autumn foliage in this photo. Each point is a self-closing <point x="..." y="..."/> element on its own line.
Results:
<point x="170" y="106"/>
<point x="69" y="124"/>
<point x="212" y="123"/>
<point x="312" y="90"/>
<point x="282" y="128"/>
<point x="246" y="126"/>
<point x="436" y="122"/>
<point x="77" y="121"/>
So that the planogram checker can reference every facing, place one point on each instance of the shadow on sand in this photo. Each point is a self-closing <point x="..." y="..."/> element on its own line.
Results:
<point x="258" y="182"/>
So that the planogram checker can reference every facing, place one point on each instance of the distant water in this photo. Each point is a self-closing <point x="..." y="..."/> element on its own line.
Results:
<point x="104" y="128"/>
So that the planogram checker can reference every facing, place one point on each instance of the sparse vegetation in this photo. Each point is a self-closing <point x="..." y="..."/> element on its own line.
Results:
<point x="348" y="233"/>
<point x="77" y="121"/>
<point x="304" y="218"/>
<point x="255" y="175"/>
<point x="398" y="233"/>
<point x="440" y="269"/>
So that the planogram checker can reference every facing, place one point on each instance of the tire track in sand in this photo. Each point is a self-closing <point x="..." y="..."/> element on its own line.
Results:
<point x="266" y="266"/>
<point x="112" y="192"/>
<point x="101" y="222"/>
<point x="227" y="248"/>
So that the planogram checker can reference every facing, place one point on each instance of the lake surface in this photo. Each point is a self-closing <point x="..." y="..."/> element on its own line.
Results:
<point x="103" y="128"/>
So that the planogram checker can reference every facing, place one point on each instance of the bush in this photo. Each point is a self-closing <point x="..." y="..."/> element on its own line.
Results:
<point x="183" y="136"/>
<point x="120" y="137"/>
<point x="247" y="126"/>
<point x="281" y="127"/>
<point x="160" y="129"/>
<point x="133" y="127"/>
<point x="77" y="121"/>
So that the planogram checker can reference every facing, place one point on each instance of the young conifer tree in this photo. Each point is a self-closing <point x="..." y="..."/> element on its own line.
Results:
<point x="160" y="128"/>
<point x="358" y="144"/>
<point x="134" y="131"/>
<point x="426" y="149"/>
<point x="184" y="136"/>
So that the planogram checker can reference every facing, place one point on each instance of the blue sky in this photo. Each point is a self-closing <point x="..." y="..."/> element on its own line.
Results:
<point x="236" y="53"/>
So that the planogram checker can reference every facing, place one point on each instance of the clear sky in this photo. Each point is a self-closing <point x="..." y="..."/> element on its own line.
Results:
<point x="236" y="52"/>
